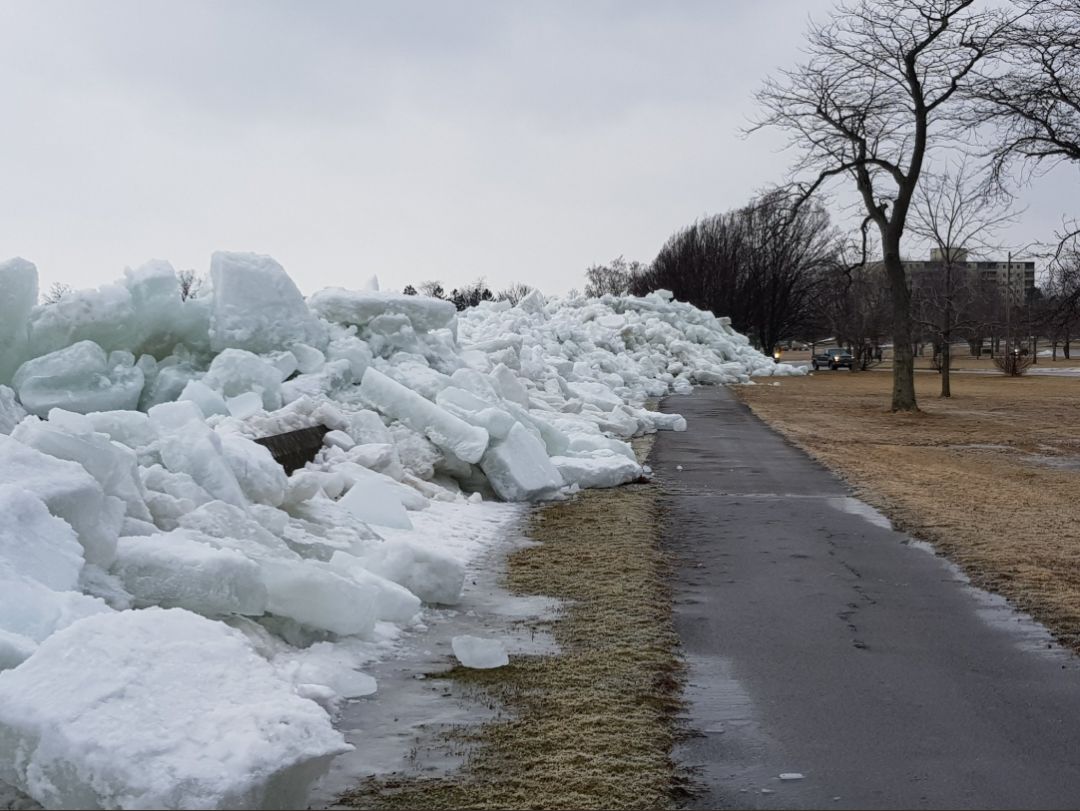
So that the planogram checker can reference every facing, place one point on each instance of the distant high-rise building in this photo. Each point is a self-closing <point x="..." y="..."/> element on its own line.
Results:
<point x="1015" y="278"/>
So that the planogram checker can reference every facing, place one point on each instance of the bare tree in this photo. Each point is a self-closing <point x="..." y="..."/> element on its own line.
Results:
<point x="1060" y="305"/>
<point x="470" y="295"/>
<point x="432" y="288"/>
<point x="614" y="278"/>
<point x="190" y="282"/>
<point x="1032" y="92"/>
<point x="514" y="293"/>
<point x="852" y="304"/>
<point x="954" y="214"/>
<point x="758" y="265"/>
<point x="56" y="291"/>
<point x="874" y="97"/>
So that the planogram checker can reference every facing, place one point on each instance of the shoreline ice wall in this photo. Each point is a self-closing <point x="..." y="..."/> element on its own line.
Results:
<point x="139" y="519"/>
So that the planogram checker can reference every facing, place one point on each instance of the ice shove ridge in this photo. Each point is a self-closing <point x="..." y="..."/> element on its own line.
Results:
<point x="179" y="619"/>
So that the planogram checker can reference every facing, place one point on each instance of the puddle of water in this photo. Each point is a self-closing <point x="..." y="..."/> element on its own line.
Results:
<point x="399" y="729"/>
<point x="1054" y="462"/>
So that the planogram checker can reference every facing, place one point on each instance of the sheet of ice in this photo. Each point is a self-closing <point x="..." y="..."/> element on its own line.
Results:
<point x="71" y="436"/>
<point x="158" y="708"/>
<point x="465" y="441"/>
<point x="69" y="492"/>
<point x="257" y="307"/>
<point x="519" y="469"/>
<point x="210" y="402"/>
<point x="18" y="295"/>
<point x="375" y="502"/>
<point x="261" y="478"/>
<point x="177" y="570"/>
<point x="11" y="413"/>
<point x="360" y="307"/>
<point x="186" y="445"/>
<point x="393" y="602"/>
<point x="130" y="428"/>
<point x="33" y="610"/>
<point x="142" y="313"/>
<point x="14" y="650"/>
<point x="436" y="577"/>
<point x="316" y="595"/>
<point x="244" y="405"/>
<point x="78" y="378"/>
<point x="34" y="543"/>
<point x="600" y="470"/>
<point x="479" y="653"/>
<point x="237" y="371"/>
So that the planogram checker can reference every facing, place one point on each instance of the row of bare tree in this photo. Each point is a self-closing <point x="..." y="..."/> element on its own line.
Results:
<point x="892" y="88"/>
<point x="468" y="295"/>
<point x="893" y="99"/>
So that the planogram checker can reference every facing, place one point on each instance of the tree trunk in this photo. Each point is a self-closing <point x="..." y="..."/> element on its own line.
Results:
<point x="946" y="354"/>
<point x="1054" y="349"/>
<point x="903" y="393"/>
<point x="1066" y="348"/>
<point x="1034" y="350"/>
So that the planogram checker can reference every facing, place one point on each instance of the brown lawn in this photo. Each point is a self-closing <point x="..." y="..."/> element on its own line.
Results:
<point x="991" y="476"/>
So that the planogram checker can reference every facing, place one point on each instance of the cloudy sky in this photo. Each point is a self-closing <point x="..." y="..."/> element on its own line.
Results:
<point x="413" y="140"/>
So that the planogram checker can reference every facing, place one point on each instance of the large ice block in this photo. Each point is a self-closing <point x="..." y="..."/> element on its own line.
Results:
<point x="18" y="295"/>
<point x="257" y="306"/>
<point x="177" y="570"/>
<point x="78" y="378"/>
<point x="519" y="469"/>
<point x="158" y="708"/>
<point x="70" y="493"/>
<point x="465" y="441"/>
<point x="360" y="307"/>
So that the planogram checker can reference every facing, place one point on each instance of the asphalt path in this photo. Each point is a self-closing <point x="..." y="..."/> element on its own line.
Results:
<point x="822" y="643"/>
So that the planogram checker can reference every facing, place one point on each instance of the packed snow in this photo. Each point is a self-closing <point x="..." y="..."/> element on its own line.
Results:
<point x="180" y="620"/>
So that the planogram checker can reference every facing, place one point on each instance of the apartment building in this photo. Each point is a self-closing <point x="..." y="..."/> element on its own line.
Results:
<point x="1017" y="277"/>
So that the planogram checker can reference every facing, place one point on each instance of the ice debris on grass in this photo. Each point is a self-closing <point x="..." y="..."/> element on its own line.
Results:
<point x="179" y="618"/>
<point x="479" y="653"/>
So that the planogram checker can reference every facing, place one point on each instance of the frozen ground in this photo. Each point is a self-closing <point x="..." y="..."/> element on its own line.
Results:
<point x="182" y="624"/>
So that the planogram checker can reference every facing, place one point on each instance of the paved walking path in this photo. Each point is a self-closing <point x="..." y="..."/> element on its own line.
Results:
<point x="823" y="643"/>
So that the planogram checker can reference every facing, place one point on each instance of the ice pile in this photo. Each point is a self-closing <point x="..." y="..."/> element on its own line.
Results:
<point x="180" y="619"/>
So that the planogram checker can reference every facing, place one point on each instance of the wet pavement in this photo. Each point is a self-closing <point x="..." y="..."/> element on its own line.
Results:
<point x="822" y="643"/>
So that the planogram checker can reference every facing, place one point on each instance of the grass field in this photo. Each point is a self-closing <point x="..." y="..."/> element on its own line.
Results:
<point x="991" y="476"/>
<point x="593" y="726"/>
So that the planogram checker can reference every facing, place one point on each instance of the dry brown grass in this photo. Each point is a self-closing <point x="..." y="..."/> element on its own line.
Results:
<point x="593" y="726"/>
<point x="981" y="475"/>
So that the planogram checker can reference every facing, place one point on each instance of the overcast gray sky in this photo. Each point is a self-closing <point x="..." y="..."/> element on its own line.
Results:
<point x="412" y="140"/>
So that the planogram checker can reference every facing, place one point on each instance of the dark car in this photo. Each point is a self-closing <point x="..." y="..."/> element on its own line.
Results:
<point x="833" y="358"/>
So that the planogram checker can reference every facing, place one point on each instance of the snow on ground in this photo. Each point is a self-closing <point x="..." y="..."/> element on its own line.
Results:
<point x="182" y="624"/>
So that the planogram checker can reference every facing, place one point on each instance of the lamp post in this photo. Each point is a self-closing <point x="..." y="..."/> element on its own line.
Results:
<point x="1008" y="304"/>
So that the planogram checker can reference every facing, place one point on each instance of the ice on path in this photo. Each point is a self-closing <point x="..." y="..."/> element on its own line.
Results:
<point x="479" y="653"/>
<point x="158" y="708"/>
